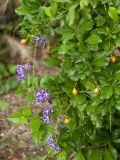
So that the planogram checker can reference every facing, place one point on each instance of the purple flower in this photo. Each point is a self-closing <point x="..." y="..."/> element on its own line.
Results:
<point x="39" y="40"/>
<point x="41" y="96"/>
<point x="50" y="101"/>
<point x="20" y="70"/>
<point x="42" y="42"/>
<point x="57" y="149"/>
<point x="27" y="66"/>
<point x="50" y="138"/>
<point x="51" y="111"/>
<point x="46" y="119"/>
<point x="52" y="145"/>
<point x="36" y="39"/>
<point x="46" y="113"/>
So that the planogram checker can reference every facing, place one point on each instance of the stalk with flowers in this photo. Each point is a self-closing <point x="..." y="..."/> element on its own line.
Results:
<point x="76" y="112"/>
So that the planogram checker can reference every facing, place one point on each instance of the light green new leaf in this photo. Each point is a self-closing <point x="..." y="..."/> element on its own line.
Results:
<point x="26" y="112"/>
<point x="35" y="124"/>
<point x="66" y="47"/>
<point x="17" y="118"/>
<point x="53" y="8"/>
<point x="71" y="16"/>
<point x="22" y="11"/>
<point x="79" y="156"/>
<point x="47" y="11"/>
<point x="93" y="39"/>
<point x="112" y="12"/>
<point x="62" y="156"/>
<point x="94" y="3"/>
<point x="83" y="3"/>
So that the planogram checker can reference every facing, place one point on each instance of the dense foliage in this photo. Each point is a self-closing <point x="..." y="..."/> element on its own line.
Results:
<point x="85" y="38"/>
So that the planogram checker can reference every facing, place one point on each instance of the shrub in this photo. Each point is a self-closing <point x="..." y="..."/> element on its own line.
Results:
<point x="85" y="93"/>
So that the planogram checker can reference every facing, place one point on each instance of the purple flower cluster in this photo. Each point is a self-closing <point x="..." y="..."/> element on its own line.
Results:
<point x="21" y="69"/>
<point x="52" y="145"/>
<point x="39" y="40"/>
<point x="46" y="113"/>
<point x="41" y="96"/>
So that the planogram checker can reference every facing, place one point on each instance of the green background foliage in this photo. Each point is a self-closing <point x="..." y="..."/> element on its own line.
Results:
<point x="83" y="35"/>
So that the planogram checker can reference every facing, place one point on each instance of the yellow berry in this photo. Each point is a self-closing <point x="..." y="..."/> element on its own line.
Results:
<point x="74" y="91"/>
<point x="23" y="41"/>
<point x="113" y="58"/>
<point x="66" y="121"/>
<point x="96" y="90"/>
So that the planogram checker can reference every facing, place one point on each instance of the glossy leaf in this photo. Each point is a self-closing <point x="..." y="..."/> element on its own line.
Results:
<point x="93" y="39"/>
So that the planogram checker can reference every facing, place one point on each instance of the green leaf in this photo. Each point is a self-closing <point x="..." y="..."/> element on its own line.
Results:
<point x="26" y="112"/>
<point x="93" y="39"/>
<point x="117" y="89"/>
<point x="107" y="155"/>
<point x="52" y="61"/>
<point x="39" y="158"/>
<point x="11" y="68"/>
<point x="37" y="133"/>
<point x="35" y="124"/>
<point x="95" y="155"/>
<point x="116" y="141"/>
<point x="117" y="75"/>
<point x="79" y="156"/>
<point x="17" y="118"/>
<point x="66" y="47"/>
<point x="47" y="11"/>
<point x="78" y="100"/>
<point x="53" y="8"/>
<point x="71" y="16"/>
<point x="62" y="155"/>
<point x="113" y="152"/>
<point x="67" y="64"/>
<point x="83" y="3"/>
<point x="4" y="105"/>
<point x="100" y="62"/>
<point x="62" y="1"/>
<point x="22" y="10"/>
<point x="106" y="92"/>
<point x="85" y="26"/>
<point x="90" y="109"/>
<point x="100" y="20"/>
<point x="112" y="12"/>
<point x="94" y="3"/>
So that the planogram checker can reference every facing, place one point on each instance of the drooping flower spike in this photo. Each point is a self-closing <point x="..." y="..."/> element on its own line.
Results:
<point x="52" y="145"/>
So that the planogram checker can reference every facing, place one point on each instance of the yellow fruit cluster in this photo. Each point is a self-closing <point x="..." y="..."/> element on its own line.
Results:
<point x="96" y="90"/>
<point x="74" y="91"/>
<point x="23" y="41"/>
<point x="66" y="121"/>
<point x="113" y="59"/>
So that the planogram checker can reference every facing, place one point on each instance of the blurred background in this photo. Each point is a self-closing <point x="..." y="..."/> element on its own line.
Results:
<point x="11" y="54"/>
